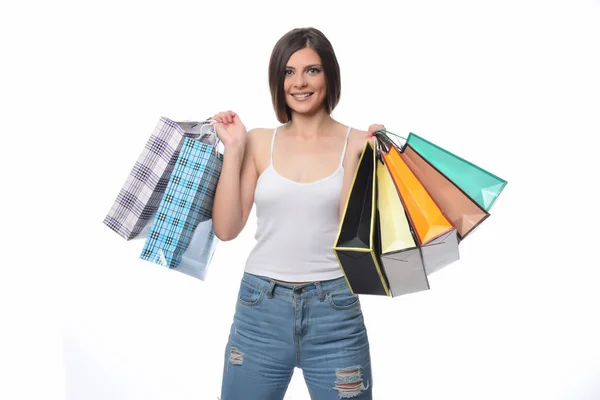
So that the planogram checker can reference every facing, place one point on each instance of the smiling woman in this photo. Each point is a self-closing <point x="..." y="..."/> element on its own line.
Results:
<point x="294" y="306"/>
<point x="304" y="81"/>
<point x="308" y="67"/>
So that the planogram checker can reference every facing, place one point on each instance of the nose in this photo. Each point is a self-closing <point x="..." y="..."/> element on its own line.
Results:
<point x="299" y="81"/>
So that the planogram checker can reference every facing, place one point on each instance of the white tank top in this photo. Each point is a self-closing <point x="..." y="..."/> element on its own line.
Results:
<point x="297" y="224"/>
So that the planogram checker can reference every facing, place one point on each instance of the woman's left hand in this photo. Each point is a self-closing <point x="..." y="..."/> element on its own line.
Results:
<point x="359" y="143"/>
<point x="372" y="129"/>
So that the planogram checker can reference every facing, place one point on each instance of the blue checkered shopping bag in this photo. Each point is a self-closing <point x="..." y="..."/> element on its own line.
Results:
<point x="181" y="236"/>
<point x="135" y="206"/>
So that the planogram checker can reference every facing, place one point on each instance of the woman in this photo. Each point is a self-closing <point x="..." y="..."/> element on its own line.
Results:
<point x="294" y="308"/>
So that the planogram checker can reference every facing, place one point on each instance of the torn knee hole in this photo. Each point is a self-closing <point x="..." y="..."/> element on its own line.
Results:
<point x="236" y="357"/>
<point x="349" y="382"/>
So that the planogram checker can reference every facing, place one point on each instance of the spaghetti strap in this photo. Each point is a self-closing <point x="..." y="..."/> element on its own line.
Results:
<point x="345" y="146"/>
<point x="272" y="144"/>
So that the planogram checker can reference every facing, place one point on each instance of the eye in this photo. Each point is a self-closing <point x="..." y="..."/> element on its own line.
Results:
<point x="286" y="72"/>
<point x="314" y="70"/>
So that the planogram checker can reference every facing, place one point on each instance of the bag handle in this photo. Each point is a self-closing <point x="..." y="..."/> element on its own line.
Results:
<point x="385" y="133"/>
<point x="208" y="124"/>
<point x="384" y="142"/>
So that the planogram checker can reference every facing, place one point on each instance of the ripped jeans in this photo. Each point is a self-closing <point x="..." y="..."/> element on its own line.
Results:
<point x="317" y="327"/>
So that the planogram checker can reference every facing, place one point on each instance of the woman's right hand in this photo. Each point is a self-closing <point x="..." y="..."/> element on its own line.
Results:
<point x="230" y="129"/>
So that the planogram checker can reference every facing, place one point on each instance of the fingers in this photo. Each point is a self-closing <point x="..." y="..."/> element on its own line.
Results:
<point x="230" y="116"/>
<point x="225" y="117"/>
<point x="375" y="127"/>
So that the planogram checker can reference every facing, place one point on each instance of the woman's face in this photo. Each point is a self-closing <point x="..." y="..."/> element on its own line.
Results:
<point x="304" y="82"/>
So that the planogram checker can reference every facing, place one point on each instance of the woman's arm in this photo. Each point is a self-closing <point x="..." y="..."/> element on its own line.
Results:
<point x="235" y="190"/>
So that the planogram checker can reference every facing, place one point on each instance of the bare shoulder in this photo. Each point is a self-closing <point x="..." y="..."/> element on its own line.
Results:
<point x="357" y="134"/>
<point x="257" y="137"/>
<point x="258" y="144"/>
<point x="259" y="133"/>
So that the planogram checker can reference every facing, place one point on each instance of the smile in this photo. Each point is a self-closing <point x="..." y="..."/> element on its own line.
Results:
<point x="302" y="96"/>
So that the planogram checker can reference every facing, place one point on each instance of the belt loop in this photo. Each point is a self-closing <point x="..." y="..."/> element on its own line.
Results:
<point x="271" y="288"/>
<point x="320" y="291"/>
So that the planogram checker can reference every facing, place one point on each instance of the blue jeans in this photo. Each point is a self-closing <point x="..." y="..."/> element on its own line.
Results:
<point x="317" y="327"/>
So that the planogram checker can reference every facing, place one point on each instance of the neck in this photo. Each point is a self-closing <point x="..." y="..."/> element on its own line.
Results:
<point x="308" y="126"/>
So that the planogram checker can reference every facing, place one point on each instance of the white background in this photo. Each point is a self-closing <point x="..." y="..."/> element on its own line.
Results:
<point x="512" y="86"/>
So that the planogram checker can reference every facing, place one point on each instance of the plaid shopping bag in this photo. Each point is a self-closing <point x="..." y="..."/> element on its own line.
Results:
<point x="198" y="255"/>
<point x="184" y="213"/>
<point x="140" y="195"/>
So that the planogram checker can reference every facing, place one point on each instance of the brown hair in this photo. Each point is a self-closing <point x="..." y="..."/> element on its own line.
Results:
<point x="294" y="40"/>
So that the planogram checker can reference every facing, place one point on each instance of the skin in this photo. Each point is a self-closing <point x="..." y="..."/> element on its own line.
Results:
<point x="306" y="149"/>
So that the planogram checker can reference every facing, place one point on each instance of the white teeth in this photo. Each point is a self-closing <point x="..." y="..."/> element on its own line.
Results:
<point x="302" y="95"/>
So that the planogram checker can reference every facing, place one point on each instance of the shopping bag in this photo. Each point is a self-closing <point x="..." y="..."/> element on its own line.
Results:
<point x="434" y="234"/>
<point x="400" y="255"/>
<point x="184" y="214"/>
<point x="480" y="185"/>
<point x="463" y="212"/>
<point x="199" y="253"/>
<point x="139" y="197"/>
<point x="356" y="242"/>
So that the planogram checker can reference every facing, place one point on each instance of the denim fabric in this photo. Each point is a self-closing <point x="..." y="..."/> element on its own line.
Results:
<point x="317" y="327"/>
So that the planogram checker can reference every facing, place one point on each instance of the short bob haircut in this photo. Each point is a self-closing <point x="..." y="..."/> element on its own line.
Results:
<point x="294" y="40"/>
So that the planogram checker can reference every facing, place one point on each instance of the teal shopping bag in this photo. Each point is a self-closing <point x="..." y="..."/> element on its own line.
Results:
<point x="480" y="185"/>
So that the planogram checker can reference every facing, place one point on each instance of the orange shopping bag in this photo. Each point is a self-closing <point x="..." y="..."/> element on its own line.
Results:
<point x="434" y="233"/>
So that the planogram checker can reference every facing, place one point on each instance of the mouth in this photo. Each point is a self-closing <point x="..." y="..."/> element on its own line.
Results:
<point x="302" y="96"/>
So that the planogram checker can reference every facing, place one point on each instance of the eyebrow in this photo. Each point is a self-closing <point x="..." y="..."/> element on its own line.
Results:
<point x="308" y="66"/>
